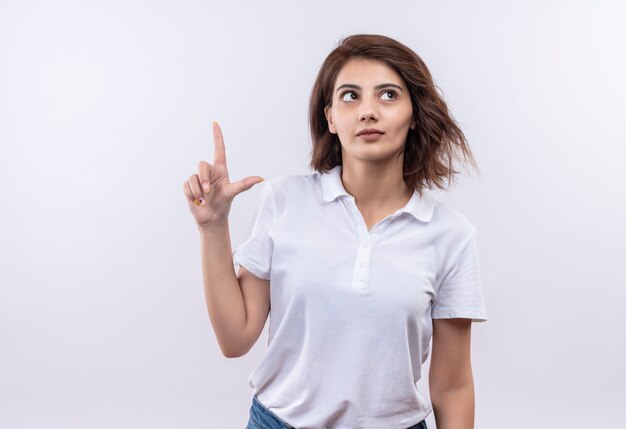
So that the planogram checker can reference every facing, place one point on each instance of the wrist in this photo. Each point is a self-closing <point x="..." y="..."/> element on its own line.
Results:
<point x="214" y="227"/>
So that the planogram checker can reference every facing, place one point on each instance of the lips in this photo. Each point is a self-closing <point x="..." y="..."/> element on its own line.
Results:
<point x="369" y="131"/>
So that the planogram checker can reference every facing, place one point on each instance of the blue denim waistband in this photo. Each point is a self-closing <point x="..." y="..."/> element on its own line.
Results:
<point x="262" y="418"/>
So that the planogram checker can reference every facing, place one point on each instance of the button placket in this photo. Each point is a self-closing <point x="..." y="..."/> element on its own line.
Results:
<point x="367" y="240"/>
<point x="364" y="249"/>
<point x="377" y="231"/>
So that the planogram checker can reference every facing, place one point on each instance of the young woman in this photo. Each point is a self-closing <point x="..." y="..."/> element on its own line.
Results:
<point x="360" y="266"/>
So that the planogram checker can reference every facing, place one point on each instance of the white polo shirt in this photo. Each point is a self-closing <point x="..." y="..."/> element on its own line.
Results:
<point x="351" y="309"/>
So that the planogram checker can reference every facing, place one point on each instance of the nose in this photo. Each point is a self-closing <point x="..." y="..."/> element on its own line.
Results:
<point x="368" y="111"/>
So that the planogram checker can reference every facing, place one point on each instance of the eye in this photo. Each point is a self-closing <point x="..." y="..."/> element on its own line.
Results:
<point x="393" y="93"/>
<point x="353" y="96"/>
<point x="343" y="95"/>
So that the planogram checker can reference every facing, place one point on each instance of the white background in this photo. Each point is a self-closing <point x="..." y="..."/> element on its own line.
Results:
<point x="105" y="110"/>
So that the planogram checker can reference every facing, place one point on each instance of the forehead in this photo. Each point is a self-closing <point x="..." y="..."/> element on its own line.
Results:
<point x="366" y="73"/>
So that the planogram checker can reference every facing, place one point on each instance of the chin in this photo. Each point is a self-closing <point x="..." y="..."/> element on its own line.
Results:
<point x="373" y="155"/>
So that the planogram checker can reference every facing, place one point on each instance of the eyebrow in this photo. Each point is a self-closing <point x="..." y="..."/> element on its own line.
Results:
<point x="381" y="86"/>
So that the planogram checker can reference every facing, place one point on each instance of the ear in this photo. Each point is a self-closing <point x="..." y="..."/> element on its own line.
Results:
<point x="412" y="126"/>
<point x="329" y="119"/>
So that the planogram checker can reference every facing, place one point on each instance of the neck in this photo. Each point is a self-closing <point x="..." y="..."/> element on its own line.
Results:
<point x="375" y="185"/>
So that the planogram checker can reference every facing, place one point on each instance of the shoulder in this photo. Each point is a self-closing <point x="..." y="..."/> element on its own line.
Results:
<point x="454" y="232"/>
<point x="451" y="222"/>
<point x="290" y="190"/>
<point x="292" y="184"/>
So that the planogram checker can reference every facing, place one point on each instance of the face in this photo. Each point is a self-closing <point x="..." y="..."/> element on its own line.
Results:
<point x="370" y="95"/>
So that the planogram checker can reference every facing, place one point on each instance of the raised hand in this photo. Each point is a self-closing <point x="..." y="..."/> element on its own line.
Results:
<point x="210" y="193"/>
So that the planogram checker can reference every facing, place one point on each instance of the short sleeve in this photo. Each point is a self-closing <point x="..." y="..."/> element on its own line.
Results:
<point x="460" y="292"/>
<point x="255" y="250"/>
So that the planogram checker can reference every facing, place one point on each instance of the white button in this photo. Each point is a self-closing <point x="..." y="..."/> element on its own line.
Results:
<point x="363" y="263"/>
<point x="365" y="244"/>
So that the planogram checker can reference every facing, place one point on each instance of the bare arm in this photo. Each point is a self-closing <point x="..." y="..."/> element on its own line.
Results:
<point x="209" y="196"/>
<point x="238" y="306"/>
<point x="450" y="379"/>
<point x="224" y="299"/>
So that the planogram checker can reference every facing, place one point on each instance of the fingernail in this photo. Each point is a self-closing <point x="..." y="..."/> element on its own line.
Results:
<point x="205" y="186"/>
<point x="262" y="179"/>
<point x="196" y="202"/>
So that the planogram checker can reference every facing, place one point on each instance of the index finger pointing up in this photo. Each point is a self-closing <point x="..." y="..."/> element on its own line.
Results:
<point x="219" y="157"/>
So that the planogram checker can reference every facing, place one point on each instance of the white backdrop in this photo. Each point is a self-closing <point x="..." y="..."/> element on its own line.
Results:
<point x="106" y="108"/>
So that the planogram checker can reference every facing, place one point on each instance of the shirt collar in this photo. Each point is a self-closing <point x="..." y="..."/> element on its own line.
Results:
<point x="420" y="208"/>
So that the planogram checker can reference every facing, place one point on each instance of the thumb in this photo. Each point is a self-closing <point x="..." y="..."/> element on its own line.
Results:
<point x="245" y="184"/>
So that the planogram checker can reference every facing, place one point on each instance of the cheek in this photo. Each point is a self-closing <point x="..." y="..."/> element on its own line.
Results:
<point x="404" y="110"/>
<point x="404" y="122"/>
<point x="341" y="123"/>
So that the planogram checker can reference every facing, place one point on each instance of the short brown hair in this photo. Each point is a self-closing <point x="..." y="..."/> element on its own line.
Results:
<point x="430" y="148"/>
